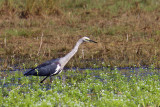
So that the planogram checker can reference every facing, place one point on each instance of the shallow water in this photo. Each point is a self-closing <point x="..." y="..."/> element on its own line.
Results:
<point x="142" y="71"/>
<point x="126" y="71"/>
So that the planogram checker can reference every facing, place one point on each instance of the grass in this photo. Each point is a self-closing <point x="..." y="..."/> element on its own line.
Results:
<point x="127" y="31"/>
<point x="83" y="88"/>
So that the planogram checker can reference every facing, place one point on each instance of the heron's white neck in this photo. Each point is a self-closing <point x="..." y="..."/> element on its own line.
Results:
<point x="67" y="57"/>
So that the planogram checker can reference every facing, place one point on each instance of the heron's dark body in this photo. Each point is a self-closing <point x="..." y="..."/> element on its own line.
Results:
<point x="47" y="68"/>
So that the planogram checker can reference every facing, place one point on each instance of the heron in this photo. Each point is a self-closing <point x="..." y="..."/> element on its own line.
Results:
<point x="55" y="66"/>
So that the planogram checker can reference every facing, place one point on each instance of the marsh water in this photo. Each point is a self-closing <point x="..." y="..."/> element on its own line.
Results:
<point x="125" y="71"/>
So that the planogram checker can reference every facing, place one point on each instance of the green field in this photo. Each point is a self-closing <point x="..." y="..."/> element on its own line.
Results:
<point x="100" y="88"/>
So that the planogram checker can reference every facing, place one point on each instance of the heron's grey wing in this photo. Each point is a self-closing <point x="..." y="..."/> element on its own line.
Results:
<point x="48" y="70"/>
<point x="44" y="69"/>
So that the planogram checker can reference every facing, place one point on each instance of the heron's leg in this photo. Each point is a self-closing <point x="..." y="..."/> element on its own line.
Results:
<point x="50" y="78"/>
<point x="44" y="79"/>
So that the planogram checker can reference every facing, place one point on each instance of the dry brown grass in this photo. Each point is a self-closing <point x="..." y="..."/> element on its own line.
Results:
<point x="125" y="38"/>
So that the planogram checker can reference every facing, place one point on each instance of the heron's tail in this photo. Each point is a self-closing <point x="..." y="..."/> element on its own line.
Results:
<point x="27" y="73"/>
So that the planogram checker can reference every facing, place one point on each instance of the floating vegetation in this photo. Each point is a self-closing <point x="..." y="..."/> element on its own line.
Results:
<point x="106" y="87"/>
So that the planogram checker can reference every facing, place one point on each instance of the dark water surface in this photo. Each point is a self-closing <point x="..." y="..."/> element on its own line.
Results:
<point x="143" y="71"/>
<point x="126" y="71"/>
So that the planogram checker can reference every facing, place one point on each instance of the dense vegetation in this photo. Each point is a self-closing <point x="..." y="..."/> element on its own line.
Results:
<point x="102" y="88"/>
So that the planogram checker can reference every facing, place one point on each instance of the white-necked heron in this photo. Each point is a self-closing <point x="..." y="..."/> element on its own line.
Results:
<point x="55" y="66"/>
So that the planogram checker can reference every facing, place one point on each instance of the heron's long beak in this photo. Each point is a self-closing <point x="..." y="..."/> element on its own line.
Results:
<point x="92" y="41"/>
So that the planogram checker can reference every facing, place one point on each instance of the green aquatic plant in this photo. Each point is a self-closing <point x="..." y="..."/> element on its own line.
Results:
<point x="83" y="88"/>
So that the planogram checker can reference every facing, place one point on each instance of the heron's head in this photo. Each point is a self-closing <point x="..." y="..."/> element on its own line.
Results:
<point x="86" y="39"/>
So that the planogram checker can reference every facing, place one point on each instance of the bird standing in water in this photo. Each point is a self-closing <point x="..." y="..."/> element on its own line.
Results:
<point x="55" y="66"/>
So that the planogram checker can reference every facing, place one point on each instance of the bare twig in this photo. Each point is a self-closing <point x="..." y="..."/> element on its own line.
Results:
<point x="40" y="44"/>
<point x="5" y="41"/>
<point x="127" y="38"/>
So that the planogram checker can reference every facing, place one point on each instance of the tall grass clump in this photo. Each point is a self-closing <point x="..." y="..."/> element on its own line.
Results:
<point x="27" y="8"/>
